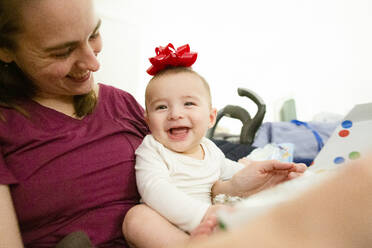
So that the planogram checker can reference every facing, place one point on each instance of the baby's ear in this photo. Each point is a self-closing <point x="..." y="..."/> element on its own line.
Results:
<point x="145" y="115"/>
<point x="212" y="117"/>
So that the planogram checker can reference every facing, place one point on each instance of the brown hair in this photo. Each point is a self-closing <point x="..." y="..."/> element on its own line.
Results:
<point x="180" y="69"/>
<point x="14" y="84"/>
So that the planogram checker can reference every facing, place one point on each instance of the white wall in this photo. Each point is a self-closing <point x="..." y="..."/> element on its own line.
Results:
<point x="317" y="51"/>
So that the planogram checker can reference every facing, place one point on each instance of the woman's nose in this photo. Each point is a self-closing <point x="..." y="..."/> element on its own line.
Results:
<point x="88" y="59"/>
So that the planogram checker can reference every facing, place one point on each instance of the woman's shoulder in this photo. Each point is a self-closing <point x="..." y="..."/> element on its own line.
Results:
<point x="120" y="105"/>
<point x="118" y="98"/>
<point x="109" y="91"/>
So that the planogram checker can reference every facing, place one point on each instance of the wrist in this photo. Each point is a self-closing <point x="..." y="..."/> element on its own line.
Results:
<point x="222" y="187"/>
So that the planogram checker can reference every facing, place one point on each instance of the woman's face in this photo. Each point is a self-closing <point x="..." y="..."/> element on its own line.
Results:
<point x="58" y="46"/>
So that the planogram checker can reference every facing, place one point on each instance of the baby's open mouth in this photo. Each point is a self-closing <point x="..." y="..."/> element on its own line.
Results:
<point x="178" y="132"/>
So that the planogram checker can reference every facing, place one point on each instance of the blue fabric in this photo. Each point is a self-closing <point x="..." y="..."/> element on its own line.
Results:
<point x="307" y="137"/>
<point x="316" y="134"/>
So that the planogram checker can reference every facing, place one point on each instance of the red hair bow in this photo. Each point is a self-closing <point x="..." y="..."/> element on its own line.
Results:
<point x="168" y="56"/>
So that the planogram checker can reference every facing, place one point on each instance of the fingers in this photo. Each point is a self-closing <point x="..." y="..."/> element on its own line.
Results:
<point x="299" y="170"/>
<point x="300" y="167"/>
<point x="269" y="165"/>
<point x="293" y="175"/>
<point x="205" y="228"/>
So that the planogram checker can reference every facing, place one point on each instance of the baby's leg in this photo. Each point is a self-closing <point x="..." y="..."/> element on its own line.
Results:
<point x="143" y="227"/>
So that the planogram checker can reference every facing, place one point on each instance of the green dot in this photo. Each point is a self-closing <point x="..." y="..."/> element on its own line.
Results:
<point x="354" y="155"/>
<point x="221" y="225"/>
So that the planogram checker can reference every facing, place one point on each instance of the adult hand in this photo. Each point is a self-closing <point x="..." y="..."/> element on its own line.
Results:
<point x="259" y="175"/>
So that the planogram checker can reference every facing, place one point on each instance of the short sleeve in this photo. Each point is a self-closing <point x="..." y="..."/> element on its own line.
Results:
<point x="6" y="176"/>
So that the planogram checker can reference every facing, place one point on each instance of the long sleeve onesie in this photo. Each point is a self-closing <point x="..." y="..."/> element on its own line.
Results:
<point x="178" y="186"/>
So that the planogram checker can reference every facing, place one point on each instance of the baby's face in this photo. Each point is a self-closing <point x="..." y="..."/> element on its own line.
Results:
<point x="178" y="111"/>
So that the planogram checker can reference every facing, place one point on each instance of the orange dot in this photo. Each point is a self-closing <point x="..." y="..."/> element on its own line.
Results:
<point x="344" y="133"/>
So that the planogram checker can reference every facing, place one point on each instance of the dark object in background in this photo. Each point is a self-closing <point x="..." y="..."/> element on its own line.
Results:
<point x="250" y="125"/>
<point x="234" y="151"/>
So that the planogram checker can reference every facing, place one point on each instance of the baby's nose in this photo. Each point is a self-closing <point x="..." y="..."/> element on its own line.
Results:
<point x="175" y="113"/>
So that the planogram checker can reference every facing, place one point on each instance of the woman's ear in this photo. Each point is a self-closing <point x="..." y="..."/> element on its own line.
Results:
<point x="5" y="55"/>
<point x="212" y="117"/>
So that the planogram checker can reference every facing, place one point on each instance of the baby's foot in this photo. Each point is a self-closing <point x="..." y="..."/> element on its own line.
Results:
<point x="205" y="228"/>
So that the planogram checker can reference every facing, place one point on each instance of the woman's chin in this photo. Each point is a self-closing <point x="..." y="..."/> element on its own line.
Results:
<point x="82" y="88"/>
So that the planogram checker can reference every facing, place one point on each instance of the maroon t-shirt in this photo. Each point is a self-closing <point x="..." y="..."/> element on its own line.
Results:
<point x="67" y="175"/>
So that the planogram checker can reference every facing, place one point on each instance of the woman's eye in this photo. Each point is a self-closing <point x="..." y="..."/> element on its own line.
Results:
<point x="65" y="54"/>
<point x="94" y="36"/>
<point x="161" y="107"/>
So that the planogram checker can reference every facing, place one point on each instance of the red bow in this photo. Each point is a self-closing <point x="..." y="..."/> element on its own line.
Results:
<point x="168" y="56"/>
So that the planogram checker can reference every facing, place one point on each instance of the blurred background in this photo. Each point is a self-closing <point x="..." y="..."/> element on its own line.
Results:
<point x="317" y="52"/>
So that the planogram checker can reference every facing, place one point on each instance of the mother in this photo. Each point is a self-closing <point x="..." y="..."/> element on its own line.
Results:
<point x="66" y="144"/>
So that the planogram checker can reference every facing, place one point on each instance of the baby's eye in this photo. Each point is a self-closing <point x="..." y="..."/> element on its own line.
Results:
<point x="160" y="107"/>
<point x="189" y="104"/>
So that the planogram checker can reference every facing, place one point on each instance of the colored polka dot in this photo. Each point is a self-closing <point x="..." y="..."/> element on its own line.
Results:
<point x="354" y="155"/>
<point x="344" y="133"/>
<point x="339" y="160"/>
<point x="347" y="124"/>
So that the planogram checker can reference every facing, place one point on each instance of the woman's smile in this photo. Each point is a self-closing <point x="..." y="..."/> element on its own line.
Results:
<point x="79" y="77"/>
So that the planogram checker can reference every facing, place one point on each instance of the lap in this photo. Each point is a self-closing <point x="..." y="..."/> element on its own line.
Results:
<point x="143" y="227"/>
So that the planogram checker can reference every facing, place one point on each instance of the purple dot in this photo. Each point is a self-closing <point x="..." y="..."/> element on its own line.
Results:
<point x="347" y="124"/>
<point x="339" y="160"/>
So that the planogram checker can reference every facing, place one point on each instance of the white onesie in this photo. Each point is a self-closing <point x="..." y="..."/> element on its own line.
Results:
<point x="178" y="186"/>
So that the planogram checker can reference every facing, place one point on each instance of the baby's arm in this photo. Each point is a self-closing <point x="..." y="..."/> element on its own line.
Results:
<point x="228" y="169"/>
<point x="157" y="191"/>
<point x="256" y="176"/>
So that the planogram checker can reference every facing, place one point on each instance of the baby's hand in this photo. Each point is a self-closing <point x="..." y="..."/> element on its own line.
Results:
<point x="209" y="223"/>
<point x="259" y="175"/>
<point x="205" y="228"/>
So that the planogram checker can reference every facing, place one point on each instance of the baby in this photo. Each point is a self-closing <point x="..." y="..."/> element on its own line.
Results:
<point x="178" y="170"/>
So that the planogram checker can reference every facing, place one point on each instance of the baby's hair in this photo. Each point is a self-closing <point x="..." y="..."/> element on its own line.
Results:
<point x="180" y="69"/>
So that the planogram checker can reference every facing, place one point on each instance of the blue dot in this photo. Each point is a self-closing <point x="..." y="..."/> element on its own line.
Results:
<point x="347" y="124"/>
<point x="339" y="160"/>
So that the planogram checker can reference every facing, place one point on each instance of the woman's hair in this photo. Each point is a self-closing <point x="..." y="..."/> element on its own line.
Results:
<point x="15" y="86"/>
<point x="180" y="69"/>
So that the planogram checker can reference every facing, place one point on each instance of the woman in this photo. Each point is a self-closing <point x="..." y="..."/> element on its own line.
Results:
<point x="67" y="149"/>
<point x="67" y="144"/>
